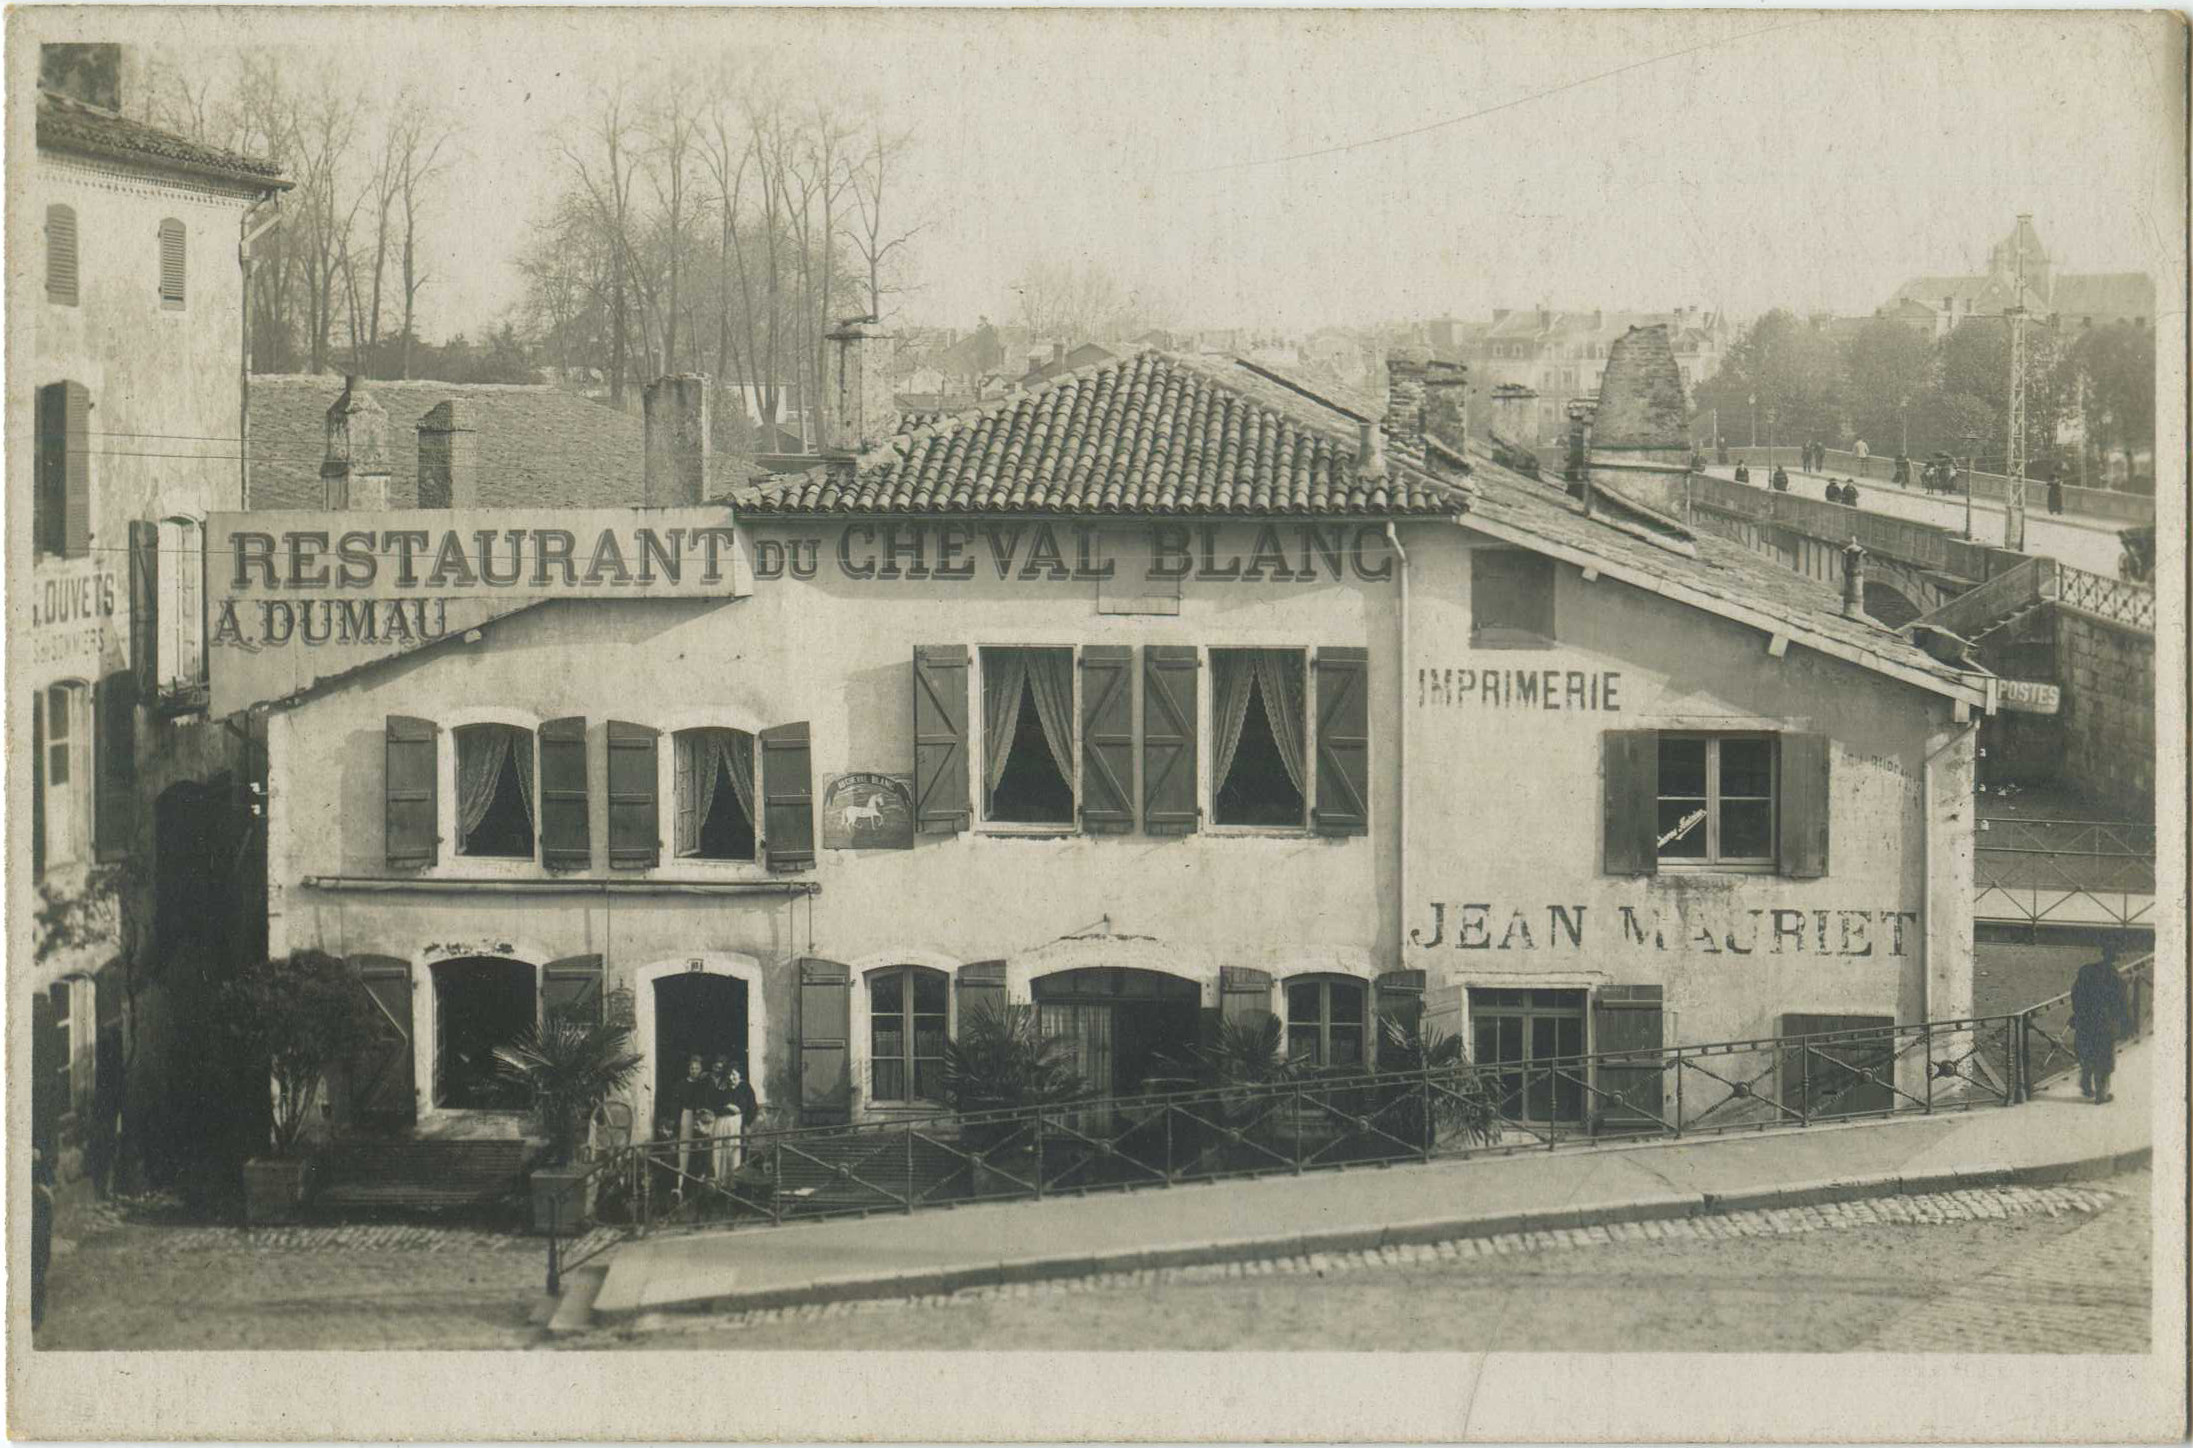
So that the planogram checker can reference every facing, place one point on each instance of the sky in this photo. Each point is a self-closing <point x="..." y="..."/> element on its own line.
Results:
<point x="1293" y="169"/>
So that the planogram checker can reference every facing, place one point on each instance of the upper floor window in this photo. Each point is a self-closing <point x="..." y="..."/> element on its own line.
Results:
<point x="61" y="255"/>
<point x="1716" y="799"/>
<point x="1260" y="727"/>
<point x="495" y="791"/>
<point x="1028" y="736"/>
<point x="1325" y="1021"/>
<point x="173" y="242"/>
<point x="1511" y="599"/>
<point x="61" y="471"/>
<point x="60" y="775"/>
<point x="715" y="794"/>
<point x="908" y="1013"/>
<point x="1736" y="801"/>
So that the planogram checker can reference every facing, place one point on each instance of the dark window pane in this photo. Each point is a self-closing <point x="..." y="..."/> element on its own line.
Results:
<point x="890" y="1037"/>
<point x="930" y="992"/>
<point x="1747" y="768"/>
<point x="890" y="1080"/>
<point x="1032" y="790"/>
<point x="1511" y="596"/>
<point x="1682" y="829"/>
<point x="886" y="993"/>
<point x="1682" y="767"/>
<point x="1302" y="1002"/>
<point x="1257" y="789"/>
<point x="929" y="1080"/>
<point x="1347" y="1002"/>
<point x="1347" y="1046"/>
<point x="1747" y="829"/>
<point x="1302" y="1043"/>
<point x="929" y="1035"/>
<point x="57" y="713"/>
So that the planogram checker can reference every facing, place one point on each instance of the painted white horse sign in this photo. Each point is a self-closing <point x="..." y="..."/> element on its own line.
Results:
<point x="868" y="812"/>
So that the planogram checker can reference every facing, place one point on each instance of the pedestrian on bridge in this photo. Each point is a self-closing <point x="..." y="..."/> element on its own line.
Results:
<point x="1850" y="492"/>
<point x="1743" y="472"/>
<point x="1781" y="479"/>
<point x="1902" y="475"/>
<point x="2056" y="495"/>
<point x="2098" y="1017"/>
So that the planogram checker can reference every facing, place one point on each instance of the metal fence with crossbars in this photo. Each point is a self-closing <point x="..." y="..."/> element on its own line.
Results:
<point x="2050" y="872"/>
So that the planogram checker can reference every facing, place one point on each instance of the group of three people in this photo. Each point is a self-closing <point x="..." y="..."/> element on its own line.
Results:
<point x="712" y="1105"/>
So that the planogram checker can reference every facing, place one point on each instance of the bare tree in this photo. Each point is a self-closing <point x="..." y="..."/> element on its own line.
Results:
<point x="873" y="238"/>
<point x="672" y="127"/>
<point x="420" y="140"/>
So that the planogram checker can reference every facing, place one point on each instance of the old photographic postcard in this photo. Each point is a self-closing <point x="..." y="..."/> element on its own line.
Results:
<point x="1041" y="724"/>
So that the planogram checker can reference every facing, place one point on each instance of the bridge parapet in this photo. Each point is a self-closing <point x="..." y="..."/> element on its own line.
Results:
<point x="1920" y="545"/>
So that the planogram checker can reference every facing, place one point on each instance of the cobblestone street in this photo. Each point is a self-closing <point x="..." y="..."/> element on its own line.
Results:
<point x="2013" y="1269"/>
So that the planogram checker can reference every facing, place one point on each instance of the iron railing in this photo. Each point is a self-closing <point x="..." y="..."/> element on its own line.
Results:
<point x="2130" y="604"/>
<point x="2065" y="872"/>
<point x="2045" y="1043"/>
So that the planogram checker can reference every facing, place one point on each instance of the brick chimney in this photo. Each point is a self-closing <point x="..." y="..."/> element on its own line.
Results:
<point x="91" y="73"/>
<point x="1406" y="368"/>
<point x="449" y="458"/>
<point x="856" y="408"/>
<point x="674" y="409"/>
<point x="1446" y="396"/>
<point x="354" y="471"/>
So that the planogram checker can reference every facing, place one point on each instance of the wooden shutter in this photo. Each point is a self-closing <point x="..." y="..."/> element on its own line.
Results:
<point x="685" y="785"/>
<point x="940" y="738"/>
<point x="565" y="843"/>
<point x="172" y="244"/>
<point x="1107" y="739"/>
<point x="412" y="772"/>
<point x="144" y="606"/>
<point x="1630" y="764"/>
<point x="1442" y="1013"/>
<point x="114" y="766"/>
<point x="572" y="987"/>
<point x="1244" y="995"/>
<point x="1343" y="743"/>
<point x="1400" y="1002"/>
<point x="825" y="1026"/>
<point x="981" y="986"/>
<point x="1169" y="800"/>
<point x="635" y="814"/>
<point x="37" y="783"/>
<point x="383" y="1076"/>
<point x="1803" y="806"/>
<point x="76" y="471"/>
<point x="61" y="255"/>
<point x="1628" y="1018"/>
<point x="788" y="792"/>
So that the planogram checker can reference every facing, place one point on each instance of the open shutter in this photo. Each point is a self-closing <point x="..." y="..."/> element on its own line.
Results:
<point x="1630" y="760"/>
<point x="114" y="766"/>
<point x="1803" y="845"/>
<point x="1244" y="995"/>
<point x="981" y="986"/>
<point x="825" y="1023"/>
<point x="1169" y="802"/>
<point x="572" y="987"/>
<point x="1400" y="1002"/>
<point x="1107" y="739"/>
<point x="37" y="783"/>
<point x="383" y="1077"/>
<point x="61" y="255"/>
<point x="685" y="784"/>
<point x="564" y="840"/>
<point x="409" y="785"/>
<point x="1632" y="1094"/>
<point x="173" y="241"/>
<point x="940" y="738"/>
<point x="1343" y="743"/>
<point x="635" y="814"/>
<point x="76" y="471"/>
<point x="144" y="606"/>
<point x="788" y="789"/>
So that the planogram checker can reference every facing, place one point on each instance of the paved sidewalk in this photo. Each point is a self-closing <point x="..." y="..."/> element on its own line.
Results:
<point x="2056" y="1136"/>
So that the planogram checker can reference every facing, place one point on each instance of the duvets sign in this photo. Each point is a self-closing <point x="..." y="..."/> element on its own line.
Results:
<point x="297" y="596"/>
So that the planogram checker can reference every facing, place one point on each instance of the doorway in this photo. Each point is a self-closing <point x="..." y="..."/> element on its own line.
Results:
<point x="1121" y="1027"/>
<point x="1524" y="1033"/>
<point x="696" y="1014"/>
<point x="480" y="1004"/>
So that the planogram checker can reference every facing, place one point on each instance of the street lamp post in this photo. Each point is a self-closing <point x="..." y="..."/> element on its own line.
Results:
<point x="1972" y="456"/>
<point x="1755" y="422"/>
<point x="1903" y="412"/>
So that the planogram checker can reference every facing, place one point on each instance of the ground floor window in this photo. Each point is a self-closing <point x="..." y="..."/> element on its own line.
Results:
<point x="1122" y="1028"/>
<point x="1325" y="1021"/>
<point x="908" y="1009"/>
<point x="1523" y="1032"/>
<point x="479" y="1005"/>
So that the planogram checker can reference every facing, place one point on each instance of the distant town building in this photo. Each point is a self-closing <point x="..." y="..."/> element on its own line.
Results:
<point x="2074" y="299"/>
<point x="1562" y="356"/>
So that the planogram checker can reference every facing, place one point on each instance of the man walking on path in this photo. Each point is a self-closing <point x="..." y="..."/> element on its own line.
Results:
<point x="1781" y="479"/>
<point x="2098" y="1018"/>
<point x="2055" y="495"/>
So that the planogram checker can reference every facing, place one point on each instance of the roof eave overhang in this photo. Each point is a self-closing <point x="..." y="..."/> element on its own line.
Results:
<point x="1770" y="624"/>
<point x="164" y="166"/>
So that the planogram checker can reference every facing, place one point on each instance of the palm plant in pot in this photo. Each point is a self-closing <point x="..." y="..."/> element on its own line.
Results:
<point x="568" y="1066"/>
<point x="1002" y="1061"/>
<point x="1436" y="1097"/>
<point x="301" y="1016"/>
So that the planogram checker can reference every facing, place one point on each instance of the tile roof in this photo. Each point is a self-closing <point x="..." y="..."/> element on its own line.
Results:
<point x="1717" y="574"/>
<point x="1154" y="432"/>
<point x="536" y="445"/>
<point x="68" y="124"/>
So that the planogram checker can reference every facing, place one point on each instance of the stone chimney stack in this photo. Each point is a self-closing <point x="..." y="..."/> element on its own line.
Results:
<point x="1854" y="581"/>
<point x="354" y="470"/>
<point x="1406" y="368"/>
<point x="674" y="409"/>
<point x="1515" y="415"/>
<point x="1639" y="444"/>
<point x="1446" y="398"/>
<point x="449" y="458"/>
<point x="1370" y="450"/>
<point x="856" y="407"/>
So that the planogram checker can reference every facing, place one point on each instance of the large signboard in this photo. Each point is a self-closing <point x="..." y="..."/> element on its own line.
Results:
<point x="78" y="619"/>
<point x="292" y="597"/>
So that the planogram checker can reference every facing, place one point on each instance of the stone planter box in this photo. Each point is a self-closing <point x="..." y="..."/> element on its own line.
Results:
<point x="274" y="1191"/>
<point x="563" y="1199"/>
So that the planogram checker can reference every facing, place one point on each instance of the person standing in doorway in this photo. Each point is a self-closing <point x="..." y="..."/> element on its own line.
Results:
<point x="693" y="1103"/>
<point x="2098" y="1017"/>
<point x="736" y="1108"/>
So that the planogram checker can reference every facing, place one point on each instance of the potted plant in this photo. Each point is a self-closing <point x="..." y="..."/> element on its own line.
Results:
<point x="1003" y="1062"/>
<point x="1436" y="1096"/>
<point x="568" y="1067"/>
<point x="300" y="1015"/>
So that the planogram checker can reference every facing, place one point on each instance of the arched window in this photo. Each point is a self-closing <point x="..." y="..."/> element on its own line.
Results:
<point x="495" y="809"/>
<point x="908" y="1010"/>
<point x="715" y="794"/>
<point x="1325" y="1020"/>
<point x="173" y="240"/>
<point x="61" y="255"/>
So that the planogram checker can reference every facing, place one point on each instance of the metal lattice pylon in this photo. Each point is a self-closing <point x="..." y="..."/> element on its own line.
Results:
<point x="2014" y="514"/>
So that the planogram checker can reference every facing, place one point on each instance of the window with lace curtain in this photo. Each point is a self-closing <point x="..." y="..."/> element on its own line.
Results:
<point x="1259" y="744"/>
<point x="715" y="794"/>
<point x="1028" y="736"/>
<point x="495" y="808"/>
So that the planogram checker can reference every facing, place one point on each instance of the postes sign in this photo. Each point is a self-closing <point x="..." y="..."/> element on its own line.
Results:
<point x="297" y="596"/>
